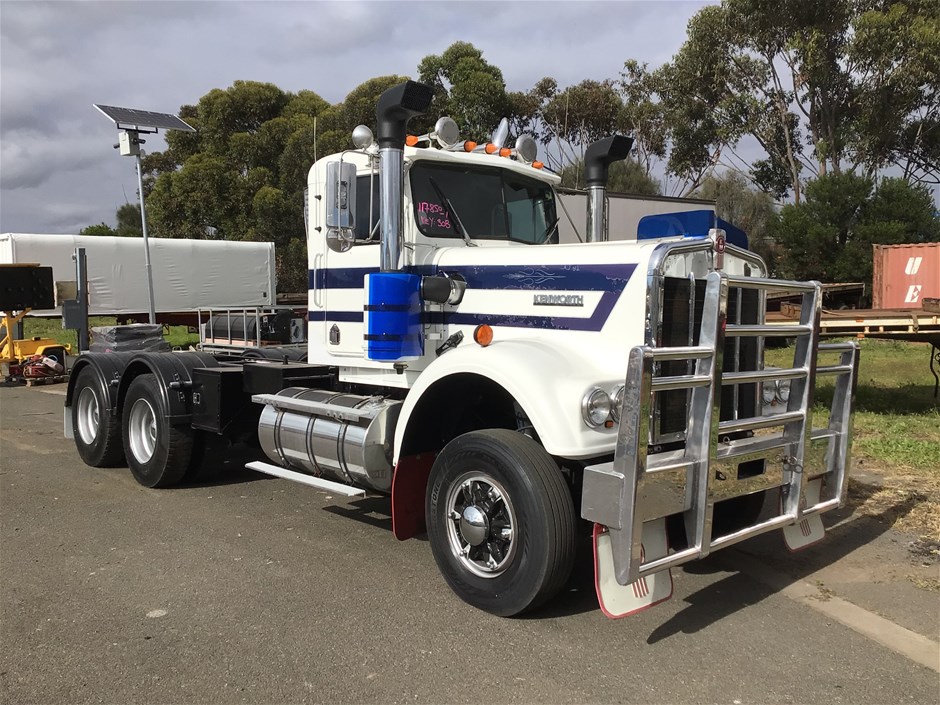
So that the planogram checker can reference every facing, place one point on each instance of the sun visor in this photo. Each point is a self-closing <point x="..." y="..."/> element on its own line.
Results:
<point x="688" y="224"/>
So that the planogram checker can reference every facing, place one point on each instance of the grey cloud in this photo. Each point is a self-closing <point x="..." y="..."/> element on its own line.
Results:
<point x="30" y="163"/>
<point x="56" y="59"/>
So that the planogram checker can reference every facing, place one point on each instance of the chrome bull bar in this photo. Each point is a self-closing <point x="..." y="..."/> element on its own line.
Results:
<point x="638" y="486"/>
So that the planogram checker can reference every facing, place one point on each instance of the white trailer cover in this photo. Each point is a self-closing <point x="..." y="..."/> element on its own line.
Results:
<point x="626" y="210"/>
<point x="187" y="274"/>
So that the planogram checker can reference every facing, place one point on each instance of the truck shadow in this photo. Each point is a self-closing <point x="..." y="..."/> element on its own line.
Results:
<point x="371" y="511"/>
<point x="847" y="531"/>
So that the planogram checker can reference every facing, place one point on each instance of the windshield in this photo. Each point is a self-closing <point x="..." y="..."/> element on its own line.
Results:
<point x="488" y="202"/>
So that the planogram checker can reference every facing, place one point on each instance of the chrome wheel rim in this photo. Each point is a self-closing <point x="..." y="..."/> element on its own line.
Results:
<point x="88" y="416"/>
<point x="142" y="430"/>
<point x="481" y="524"/>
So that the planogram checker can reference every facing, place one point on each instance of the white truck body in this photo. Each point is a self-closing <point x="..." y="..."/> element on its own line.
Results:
<point x="187" y="274"/>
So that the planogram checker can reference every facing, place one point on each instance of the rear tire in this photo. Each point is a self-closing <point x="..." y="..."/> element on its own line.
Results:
<point x="158" y="454"/>
<point x="97" y="433"/>
<point x="501" y="521"/>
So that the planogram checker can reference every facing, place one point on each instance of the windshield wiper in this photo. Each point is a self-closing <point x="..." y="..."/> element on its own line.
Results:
<point x="550" y="230"/>
<point x="450" y="207"/>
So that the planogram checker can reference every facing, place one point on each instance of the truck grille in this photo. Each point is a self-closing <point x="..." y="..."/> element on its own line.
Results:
<point x="680" y="321"/>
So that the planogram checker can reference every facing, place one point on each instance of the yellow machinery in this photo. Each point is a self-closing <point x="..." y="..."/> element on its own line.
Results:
<point x="24" y="287"/>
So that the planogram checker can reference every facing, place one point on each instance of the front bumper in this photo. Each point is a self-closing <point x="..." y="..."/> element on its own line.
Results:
<point x="638" y="486"/>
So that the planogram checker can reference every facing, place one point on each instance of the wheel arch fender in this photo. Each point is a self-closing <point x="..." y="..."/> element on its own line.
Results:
<point x="173" y="372"/>
<point x="547" y="381"/>
<point x="108" y="369"/>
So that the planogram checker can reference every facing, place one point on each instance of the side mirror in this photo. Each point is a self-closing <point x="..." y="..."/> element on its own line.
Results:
<point x="341" y="195"/>
<point x="340" y="205"/>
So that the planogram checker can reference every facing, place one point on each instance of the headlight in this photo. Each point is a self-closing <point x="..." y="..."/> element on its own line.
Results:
<point x="783" y="390"/>
<point x="595" y="407"/>
<point x="617" y="403"/>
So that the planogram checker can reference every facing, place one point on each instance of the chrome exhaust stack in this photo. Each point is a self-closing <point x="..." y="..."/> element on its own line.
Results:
<point x="395" y="108"/>
<point x="597" y="160"/>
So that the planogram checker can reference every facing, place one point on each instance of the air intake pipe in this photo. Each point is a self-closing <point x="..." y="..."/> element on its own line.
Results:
<point x="597" y="159"/>
<point x="395" y="108"/>
<point x="393" y="297"/>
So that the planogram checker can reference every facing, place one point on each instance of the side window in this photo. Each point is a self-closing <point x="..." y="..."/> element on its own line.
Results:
<point x="365" y="220"/>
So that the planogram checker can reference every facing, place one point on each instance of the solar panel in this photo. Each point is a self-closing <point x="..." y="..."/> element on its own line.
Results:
<point x="143" y="119"/>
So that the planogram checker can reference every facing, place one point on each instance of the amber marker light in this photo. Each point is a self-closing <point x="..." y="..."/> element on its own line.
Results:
<point x="490" y="148"/>
<point x="469" y="146"/>
<point x="505" y="152"/>
<point x="537" y="165"/>
<point x="411" y="140"/>
<point x="483" y="335"/>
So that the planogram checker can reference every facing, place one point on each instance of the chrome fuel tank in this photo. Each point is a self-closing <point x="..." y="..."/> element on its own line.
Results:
<point x="344" y="437"/>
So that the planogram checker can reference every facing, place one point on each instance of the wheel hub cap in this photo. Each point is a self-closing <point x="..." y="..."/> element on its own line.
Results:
<point x="89" y="416"/>
<point x="142" y="430"/>
<point x="482" y="525"/>
<point x="474" y="526"/>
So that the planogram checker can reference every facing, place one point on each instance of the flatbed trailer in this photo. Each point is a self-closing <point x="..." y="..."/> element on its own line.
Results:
<point x="912" y="325"/>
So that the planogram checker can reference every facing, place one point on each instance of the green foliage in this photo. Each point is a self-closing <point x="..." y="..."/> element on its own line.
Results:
<point x="358" y="108"/>
<point x="739" y="204"/>
<point x="128" y="221"/>
<point x="854" y="82"/>
<point x="99" y="229"/>
<point x="467" y="88"/>
<point x="624" y="177"/>
<point x="642" y="116"/>
<point x="830" y="235"/>
<point x="583" y="113"/>
<point x="128" y="224"/>
<point x="242" y="175"/>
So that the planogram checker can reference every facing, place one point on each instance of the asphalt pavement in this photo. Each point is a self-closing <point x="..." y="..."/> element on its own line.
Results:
<point x="254" y="589"/>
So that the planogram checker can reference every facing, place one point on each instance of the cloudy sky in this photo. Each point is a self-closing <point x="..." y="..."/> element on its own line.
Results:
<point x="58" y="171"/>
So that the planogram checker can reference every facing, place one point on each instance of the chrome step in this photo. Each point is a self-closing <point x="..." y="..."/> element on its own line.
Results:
<point x="318" y="482"/>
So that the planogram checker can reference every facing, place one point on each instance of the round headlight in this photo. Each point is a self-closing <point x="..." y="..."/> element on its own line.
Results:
<point x="595" y="407"/>
<point x="783" y="390"/>
<point x="616" y="409"/>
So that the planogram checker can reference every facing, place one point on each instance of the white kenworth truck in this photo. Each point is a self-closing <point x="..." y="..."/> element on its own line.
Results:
<point x="509" y="393"/>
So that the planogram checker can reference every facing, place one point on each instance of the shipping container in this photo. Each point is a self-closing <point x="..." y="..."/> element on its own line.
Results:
<point x="904" y="275"/>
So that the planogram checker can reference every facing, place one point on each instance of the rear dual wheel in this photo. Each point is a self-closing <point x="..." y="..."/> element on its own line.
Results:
<point x="158" y="453"/>
<point x="97" y="433"/>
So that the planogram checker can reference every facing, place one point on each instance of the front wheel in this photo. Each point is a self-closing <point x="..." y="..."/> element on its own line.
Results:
<point x="501" y="522"/>
<point x="158" y="453"/>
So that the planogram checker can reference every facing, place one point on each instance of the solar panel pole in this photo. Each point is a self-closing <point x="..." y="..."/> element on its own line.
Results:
<point x="143" y="227"/>
<point x="130" y="124"/>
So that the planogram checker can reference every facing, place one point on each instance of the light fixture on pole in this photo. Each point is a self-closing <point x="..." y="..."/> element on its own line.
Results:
<point x="131" y="124"/>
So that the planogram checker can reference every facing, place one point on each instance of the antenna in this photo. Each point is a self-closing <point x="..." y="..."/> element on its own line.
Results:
<point x="131" y="124"/>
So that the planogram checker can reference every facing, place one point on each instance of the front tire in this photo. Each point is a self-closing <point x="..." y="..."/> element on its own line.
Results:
<point x="157" y="453"/>
<point x="501" y="521"/>
<point x="97" y="433"/>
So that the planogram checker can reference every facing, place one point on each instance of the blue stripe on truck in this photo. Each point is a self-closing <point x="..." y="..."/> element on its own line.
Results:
<point x="607" y="278"/>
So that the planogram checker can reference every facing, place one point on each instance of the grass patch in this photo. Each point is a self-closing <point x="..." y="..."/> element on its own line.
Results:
<point x="176" y="336"/>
